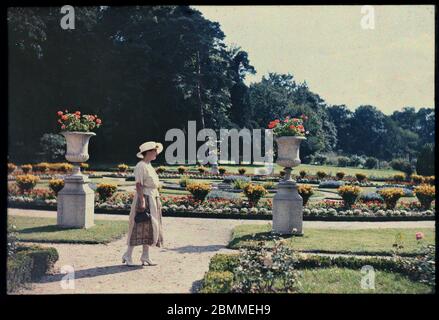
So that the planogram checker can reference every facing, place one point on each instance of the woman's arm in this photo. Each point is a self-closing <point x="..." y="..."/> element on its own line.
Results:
<point x="139" y="190"/>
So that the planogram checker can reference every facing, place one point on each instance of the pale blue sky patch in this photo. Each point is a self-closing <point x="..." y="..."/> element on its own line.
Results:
<point x="390" y="67"/>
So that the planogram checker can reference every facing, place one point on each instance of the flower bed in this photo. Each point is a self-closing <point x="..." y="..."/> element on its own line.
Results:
<point x="186" y="206"/>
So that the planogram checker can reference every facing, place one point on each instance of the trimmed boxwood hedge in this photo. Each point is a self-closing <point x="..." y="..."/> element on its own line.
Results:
<point x="186" y="214"/>
<point x="29" y="263"/>
<point x="219" y="278"/>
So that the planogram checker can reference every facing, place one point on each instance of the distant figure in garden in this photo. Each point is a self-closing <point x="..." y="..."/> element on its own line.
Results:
<point x="149" y="232"/>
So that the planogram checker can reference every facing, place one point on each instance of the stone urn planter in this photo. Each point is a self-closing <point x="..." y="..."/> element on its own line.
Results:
<point x="76" y="199"/>
<point x="77" y="146"/>
<point x="287" y="203"/>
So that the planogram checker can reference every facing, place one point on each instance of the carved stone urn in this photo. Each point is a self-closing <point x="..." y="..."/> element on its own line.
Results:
<point x="287" y="203"/>
<point x="76" y="199"/>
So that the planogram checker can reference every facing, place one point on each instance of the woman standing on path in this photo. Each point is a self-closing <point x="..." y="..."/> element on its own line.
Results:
<point x="147" y="233"/>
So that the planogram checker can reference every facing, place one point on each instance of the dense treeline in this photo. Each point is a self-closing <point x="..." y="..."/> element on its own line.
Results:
<point x="147" y="69"/>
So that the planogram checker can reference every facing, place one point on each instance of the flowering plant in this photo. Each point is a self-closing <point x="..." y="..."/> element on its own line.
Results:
<point x="199" y="190"/>
<point x="106" y="190"/>
<point x="305" y="191"/>
<point x="254" y="192"/>
<point x="289" y="126"/>
<point x="77" y="122"/>
<point x="349" y="194"/>
<point x="391" y="196"/>
<point x="26" y="182"/>
<point x="425" y="194"/>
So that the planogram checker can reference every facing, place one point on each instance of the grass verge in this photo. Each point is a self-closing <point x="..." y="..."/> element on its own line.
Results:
<point x="36" y="229"/>
<point x="355" y="241"/>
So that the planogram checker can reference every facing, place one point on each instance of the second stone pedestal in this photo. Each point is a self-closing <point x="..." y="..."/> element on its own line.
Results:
<point x="287" y="209"/>
<point x="76" y="202"/>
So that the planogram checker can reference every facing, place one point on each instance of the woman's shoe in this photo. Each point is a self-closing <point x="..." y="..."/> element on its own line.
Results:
<point x="147" y="261"/>
<point x="127" y="260"/>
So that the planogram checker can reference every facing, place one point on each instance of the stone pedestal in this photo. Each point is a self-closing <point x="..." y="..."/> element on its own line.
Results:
<point x="287" y="210"/>
<point x="287" y="207"/>
<point x="76" y="202"/>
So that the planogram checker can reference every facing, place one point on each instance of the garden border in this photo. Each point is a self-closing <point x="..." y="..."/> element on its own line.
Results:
<point x="181" y="214"/>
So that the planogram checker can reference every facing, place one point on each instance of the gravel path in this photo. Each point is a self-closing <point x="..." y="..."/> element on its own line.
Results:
<point x="189" y="245"/>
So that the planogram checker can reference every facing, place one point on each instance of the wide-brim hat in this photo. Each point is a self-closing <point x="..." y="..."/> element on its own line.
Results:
<point x="149" y="146"/>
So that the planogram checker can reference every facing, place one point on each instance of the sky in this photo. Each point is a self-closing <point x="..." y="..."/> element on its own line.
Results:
<point x="389" y="67"/>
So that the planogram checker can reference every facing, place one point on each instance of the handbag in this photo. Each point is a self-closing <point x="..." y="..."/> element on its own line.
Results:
<point x="142" y="215"/>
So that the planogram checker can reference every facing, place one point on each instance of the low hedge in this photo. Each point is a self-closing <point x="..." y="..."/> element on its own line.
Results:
<point x="20" y="205"/>
<point x="29" y="263"/>
<point x="219" y="278"/>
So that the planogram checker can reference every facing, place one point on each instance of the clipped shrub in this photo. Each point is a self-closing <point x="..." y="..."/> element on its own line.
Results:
<point x="223" y="262"/>
<point x="26" y="168"/>
<point x="19" y="269"/>
<point x="340" y="175"/>
<point x="41" y="167"/>
<point x="202" y="169"/>
<point x="349" y="194"/>
<point x="199" y="190"/>
<point x="160" y="169"/>
<point x="360" y="177"/>
<point x="242" y="170"/>
<point x="282" y="173"/>
<point x="254" y="193"/>
<point x="217" y="282"/>
<point x="181" y="169"/>
<point x="425" y="194"/>
<point x="11" y="167"/>
<point x="26" y="183"/>
<point x="56" y="185"/>
<point x="305" y="192"/>
<point x="425" y="160"/>
<point x="391" y="196"/>
<point x="321" y="174"/>
<point x="29" y="264"/>
<point x="417" y="179"/>
<point x="106" y="190"/>
<point x="302" y="173"/>
<point x="371" y="163"/>
<point x="331" y="184"/>
<point x="122" y="167"/>
<point x="343" y="161"/>
<point x="183" y="182"/>
<point x="399" y="177"/>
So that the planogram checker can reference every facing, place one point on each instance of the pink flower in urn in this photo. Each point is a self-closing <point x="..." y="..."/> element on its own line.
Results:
<point x="419" y="236"/>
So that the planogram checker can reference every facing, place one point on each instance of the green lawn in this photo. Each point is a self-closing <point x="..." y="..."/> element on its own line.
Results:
<point x="363" y="241"/>
<point x="343" y="280"/>
<point x="35" y="229"/>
